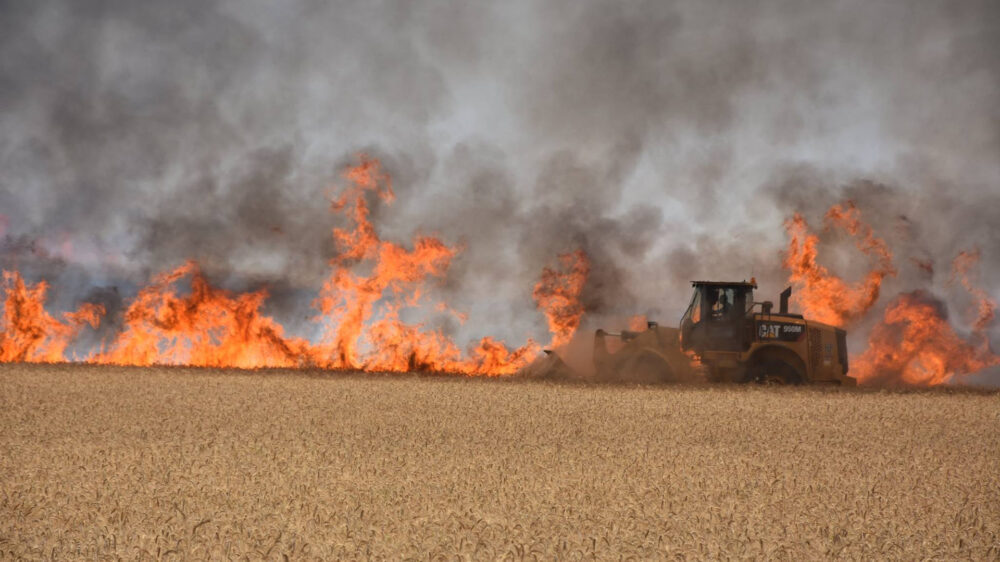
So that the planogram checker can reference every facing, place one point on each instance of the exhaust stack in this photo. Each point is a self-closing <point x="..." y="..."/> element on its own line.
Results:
<point x="784" y="300"/>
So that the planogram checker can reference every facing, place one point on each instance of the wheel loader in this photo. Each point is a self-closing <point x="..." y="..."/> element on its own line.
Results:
<point x="725" y="336"/>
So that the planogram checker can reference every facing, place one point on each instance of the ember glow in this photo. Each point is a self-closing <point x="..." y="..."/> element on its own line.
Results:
<point x="914" y="342"/>
<point x="371" y="283"/>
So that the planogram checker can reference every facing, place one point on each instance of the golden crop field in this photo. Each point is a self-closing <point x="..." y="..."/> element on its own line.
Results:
<point x="102" y="463"/>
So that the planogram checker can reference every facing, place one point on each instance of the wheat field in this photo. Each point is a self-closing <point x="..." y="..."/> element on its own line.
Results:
<point x="105" y="463"/>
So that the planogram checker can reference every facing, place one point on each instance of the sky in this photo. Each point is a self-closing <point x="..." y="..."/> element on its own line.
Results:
<point x="669" y="140"/>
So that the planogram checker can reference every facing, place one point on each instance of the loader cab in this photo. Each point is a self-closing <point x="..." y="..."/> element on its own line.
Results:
<point x="716" y="318"/>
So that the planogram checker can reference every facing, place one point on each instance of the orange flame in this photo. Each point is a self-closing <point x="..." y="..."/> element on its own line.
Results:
<point x="349" y="299"/>
<point x="396" y="279"/>
<point x="985" y="306"/>
<point x="558" y="295"/>
<point x="915" y="344"/>
<point x="28" y="333"/>
<point x="637" y="322"/>
<point x="822" y="295"/>
<point x="213" y="327"/>
<point x="372" y="282"/>
<point x="210" y="327"/>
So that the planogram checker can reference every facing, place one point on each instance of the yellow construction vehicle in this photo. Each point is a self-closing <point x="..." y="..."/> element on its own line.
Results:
<point x="725" y="336"/>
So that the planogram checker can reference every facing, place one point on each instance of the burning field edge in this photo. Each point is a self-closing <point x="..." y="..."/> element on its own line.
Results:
<point x="71" y="368"/>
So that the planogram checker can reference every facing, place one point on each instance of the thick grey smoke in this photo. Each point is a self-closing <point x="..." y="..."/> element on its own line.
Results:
<point x="668" y="139"/>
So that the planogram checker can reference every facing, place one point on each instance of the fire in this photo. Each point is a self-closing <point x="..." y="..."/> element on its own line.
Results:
<point x="348" y="298"/>
<point x="396" y="279"/>
<point x="638" y="322"/>
<point x="28" y="333"/>
<point x="822" y="295"/>
<point x="558" y="295"/>
<point x="985" y="306"/>
<point x="371" y="283"/>
<point x="209" y="327"/>
<point x="914" y="343"/>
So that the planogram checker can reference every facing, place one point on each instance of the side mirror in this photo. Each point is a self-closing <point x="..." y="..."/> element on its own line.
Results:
<point x="766" y="307"/>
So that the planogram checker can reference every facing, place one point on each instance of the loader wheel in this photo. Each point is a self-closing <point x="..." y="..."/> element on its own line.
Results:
<point x="648" y="370"/>
<point x="774" y="373"/>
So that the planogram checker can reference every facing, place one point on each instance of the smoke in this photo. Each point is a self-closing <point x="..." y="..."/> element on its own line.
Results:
<point x="668" y="140"/>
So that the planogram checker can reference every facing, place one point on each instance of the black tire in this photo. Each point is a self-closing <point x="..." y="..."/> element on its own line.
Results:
<point x="775" y="373"/>
<point x="647" y="370"/>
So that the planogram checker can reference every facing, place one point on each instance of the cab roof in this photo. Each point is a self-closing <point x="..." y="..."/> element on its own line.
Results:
<point x="751" y="284"/>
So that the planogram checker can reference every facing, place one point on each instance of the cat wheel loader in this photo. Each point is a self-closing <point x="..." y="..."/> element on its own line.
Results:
<point x="724" y="336"/>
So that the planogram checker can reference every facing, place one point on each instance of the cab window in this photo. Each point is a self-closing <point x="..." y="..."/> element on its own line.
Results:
<point x="721" y="303"/>
<point x="693" y="312"/>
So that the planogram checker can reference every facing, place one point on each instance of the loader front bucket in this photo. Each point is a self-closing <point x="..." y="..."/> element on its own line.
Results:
<point x="548" y="367"/>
